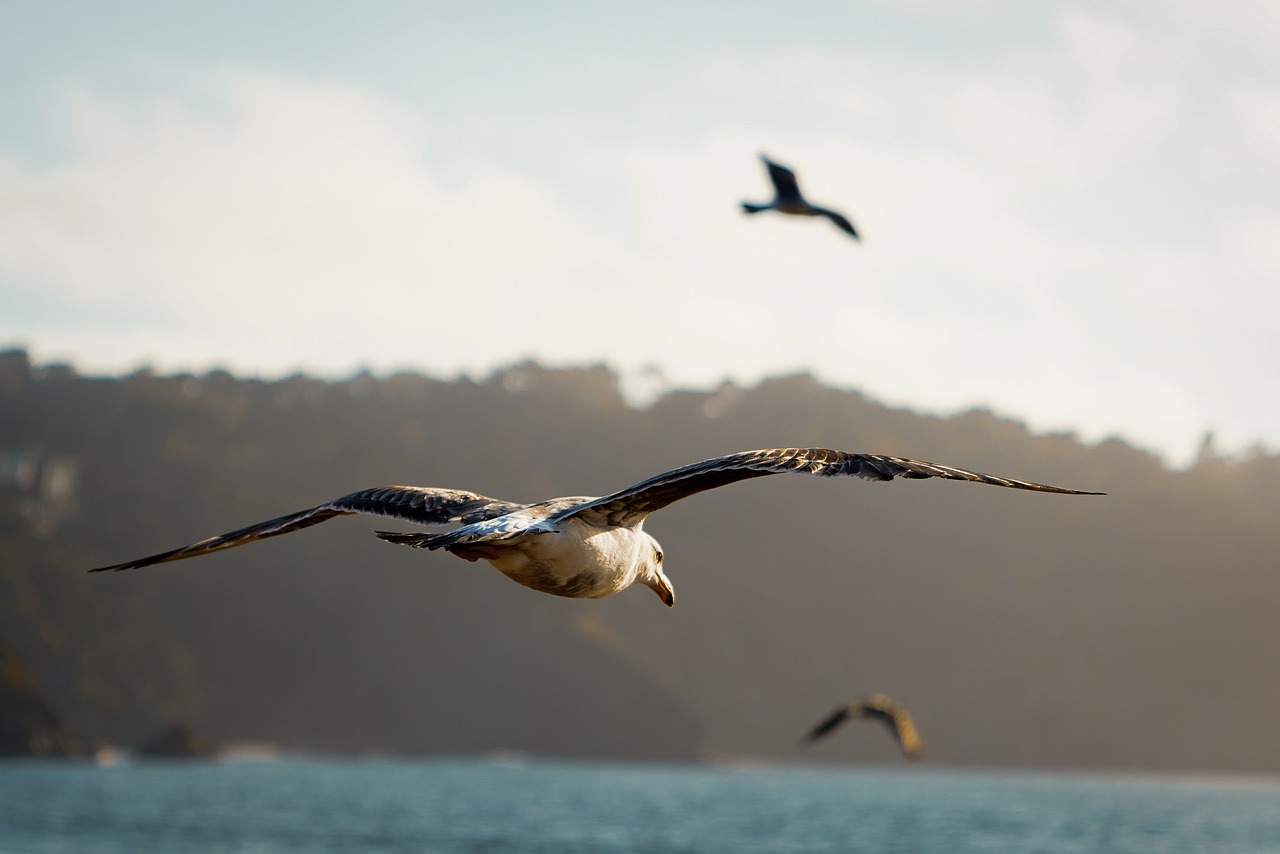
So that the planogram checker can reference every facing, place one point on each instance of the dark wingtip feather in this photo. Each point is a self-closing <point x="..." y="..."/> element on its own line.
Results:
<point x="121" y="567"/>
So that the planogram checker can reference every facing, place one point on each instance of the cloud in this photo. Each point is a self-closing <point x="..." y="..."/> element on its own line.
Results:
<point x="1041" y="227"/>
<point x="1058" y="208"/>
<point x="279" y="206"/>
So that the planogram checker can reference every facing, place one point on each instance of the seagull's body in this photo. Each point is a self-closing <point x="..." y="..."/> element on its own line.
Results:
<point x="567" y="561"/>
<point x="877" y="708"/>
<point x="579" y="547"/>
<point x="788" y="199"/>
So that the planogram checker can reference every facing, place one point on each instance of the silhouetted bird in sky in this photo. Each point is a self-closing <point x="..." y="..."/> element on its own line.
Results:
<point x="877" y="708"/>
<point x="578" y="547"/>
<point x="787" y="199"/>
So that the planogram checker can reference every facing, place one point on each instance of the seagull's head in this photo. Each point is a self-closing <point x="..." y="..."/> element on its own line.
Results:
<point x="651" y="574"/>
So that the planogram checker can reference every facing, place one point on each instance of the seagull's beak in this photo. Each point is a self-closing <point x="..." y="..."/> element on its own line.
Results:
<point x="662" y="586"/>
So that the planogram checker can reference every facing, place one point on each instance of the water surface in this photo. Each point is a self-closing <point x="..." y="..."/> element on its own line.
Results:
<point x="273" y="807"/>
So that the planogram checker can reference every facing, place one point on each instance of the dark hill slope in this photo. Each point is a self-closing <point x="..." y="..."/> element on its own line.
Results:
<point x="1019" y="628"/>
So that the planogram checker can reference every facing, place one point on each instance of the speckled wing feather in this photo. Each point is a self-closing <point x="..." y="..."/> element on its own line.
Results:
<point x="524" y="519"/>
<point x="422" y="505"/>
<point x="784" y="181"/>
<point x="895" y="716"/>
<point x="632" y="504"/>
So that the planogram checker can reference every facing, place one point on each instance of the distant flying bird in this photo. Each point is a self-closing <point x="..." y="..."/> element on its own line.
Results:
<point x="788" y="200"/>
<point x="577" y="547"/>
<point x="878" y="708"/>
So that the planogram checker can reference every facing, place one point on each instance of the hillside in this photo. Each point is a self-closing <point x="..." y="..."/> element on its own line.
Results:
<point x="1021" y="629"/>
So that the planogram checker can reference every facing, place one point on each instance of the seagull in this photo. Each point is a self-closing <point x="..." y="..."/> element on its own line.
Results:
<point x="580" y="547"/>
<point x="788" y="200"/>
<point x="880" y="708"/>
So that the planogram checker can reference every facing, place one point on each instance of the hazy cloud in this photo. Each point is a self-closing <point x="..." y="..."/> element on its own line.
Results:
<point x="1065" y="230"/>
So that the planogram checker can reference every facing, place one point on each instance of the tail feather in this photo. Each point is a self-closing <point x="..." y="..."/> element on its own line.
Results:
<point x="417" y="540"/>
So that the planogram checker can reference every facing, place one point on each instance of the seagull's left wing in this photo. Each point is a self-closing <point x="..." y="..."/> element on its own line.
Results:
<point x="634" y="503"/>
<point x="896" y="717"/>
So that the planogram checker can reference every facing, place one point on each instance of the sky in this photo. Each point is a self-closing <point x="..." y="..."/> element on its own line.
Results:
<point x="1070" y="210"/>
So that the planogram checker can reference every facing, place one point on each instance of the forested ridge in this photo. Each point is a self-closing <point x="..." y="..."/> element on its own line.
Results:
<point x="1132" y="630"/>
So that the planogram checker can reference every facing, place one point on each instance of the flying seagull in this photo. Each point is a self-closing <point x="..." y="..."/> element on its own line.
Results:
<point x="578" y="547"/>
<point x="877" y="708"/>
<point x="788" y="200"/>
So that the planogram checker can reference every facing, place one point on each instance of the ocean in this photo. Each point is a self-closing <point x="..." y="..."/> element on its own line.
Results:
<point x="446" y="806"/>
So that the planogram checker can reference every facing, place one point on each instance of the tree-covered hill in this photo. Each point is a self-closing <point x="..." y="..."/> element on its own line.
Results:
<point x="1132" y="630"/>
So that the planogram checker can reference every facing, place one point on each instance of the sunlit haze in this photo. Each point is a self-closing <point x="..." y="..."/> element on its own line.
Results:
<point x="1071" y="211"/>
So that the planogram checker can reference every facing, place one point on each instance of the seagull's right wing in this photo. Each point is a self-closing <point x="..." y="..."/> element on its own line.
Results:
<point x="841" y="222"/>
<point x="422" y="505"/>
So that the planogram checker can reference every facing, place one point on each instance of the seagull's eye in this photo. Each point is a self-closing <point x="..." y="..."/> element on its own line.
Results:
<point x="658" y="552"/>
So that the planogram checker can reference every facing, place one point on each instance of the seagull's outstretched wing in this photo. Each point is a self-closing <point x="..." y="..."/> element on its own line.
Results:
<point x="632" y="504"/>
<point x="841" y="222"/>
<point x="785" y="185"/>
<point x="422" y="505"/>
<point x="879" y="707"/>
